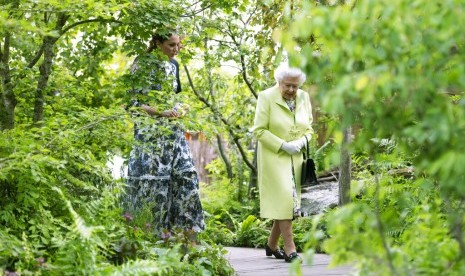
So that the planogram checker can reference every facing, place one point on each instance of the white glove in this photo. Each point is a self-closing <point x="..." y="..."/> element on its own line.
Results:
<point x="290" y="147"/>
<point x="300" y="143"/>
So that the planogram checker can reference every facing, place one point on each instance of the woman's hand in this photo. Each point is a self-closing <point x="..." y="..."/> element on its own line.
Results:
<point x="290" y="148"/>
<point x="181" y="109"/>
<point x="169" y="114"/>
<point x="295" y="146"/>
<point x="300" y="143"/>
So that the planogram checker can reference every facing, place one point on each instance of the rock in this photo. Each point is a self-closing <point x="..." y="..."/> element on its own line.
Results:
<point x="318" y="198"/>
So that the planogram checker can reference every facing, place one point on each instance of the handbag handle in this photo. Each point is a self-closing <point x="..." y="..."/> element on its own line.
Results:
<point x="307" y="150"/>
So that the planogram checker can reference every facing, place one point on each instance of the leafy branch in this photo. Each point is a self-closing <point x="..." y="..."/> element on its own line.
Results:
<point x="62" y="32"/>
<point x="218" y="114"/>
<point x="237" y="42"/>
<point x="91" y="125"/>
<point x="195" y="12"/>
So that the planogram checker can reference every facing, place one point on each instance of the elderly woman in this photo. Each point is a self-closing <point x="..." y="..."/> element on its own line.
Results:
<point x="282" y="123"/>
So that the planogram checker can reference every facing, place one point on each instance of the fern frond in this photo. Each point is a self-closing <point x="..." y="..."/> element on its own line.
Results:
<point x="247" y="223"/>
<point x="394" y="189"/>
<point x="80" y="227"/>
<point x="94" y="207"/>
<point x="136" y="267"/>
<point x="79" y="183"/>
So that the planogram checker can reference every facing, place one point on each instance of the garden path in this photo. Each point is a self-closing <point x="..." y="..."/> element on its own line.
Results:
<point x="254" y="262"/>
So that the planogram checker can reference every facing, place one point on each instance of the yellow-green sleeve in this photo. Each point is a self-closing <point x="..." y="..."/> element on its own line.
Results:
<point x="261" y="125"/>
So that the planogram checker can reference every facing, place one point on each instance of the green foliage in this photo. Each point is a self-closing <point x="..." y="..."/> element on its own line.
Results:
<point x="392" y="69"/>
<point x="141" y="19"/>
<point x="252" y="232"/>
<point x="389" y="213"/>
<point x="387" y="68"/>
<point x="221" y="192"/>
<point x="398" y="71"/>
<point x="137" y="267"/>
<point x="208" y="260"/>
<point x="60" y="205"/>
<point x="217" y="233"/>
<point x="37" y="162"/>
<point x="300" y="228"/>
<point x="240" y="229"/>
<point x="410" y="222"/>
<point x="82" y="230"/>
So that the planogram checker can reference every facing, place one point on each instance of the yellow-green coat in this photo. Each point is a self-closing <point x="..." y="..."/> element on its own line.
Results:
<point x="274" y="124"/>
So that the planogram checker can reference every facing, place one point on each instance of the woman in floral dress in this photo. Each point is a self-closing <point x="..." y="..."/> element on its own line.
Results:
<point x="161" y="172"/>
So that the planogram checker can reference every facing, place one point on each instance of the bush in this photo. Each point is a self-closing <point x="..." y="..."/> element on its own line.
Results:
<point x="60" y="209"/>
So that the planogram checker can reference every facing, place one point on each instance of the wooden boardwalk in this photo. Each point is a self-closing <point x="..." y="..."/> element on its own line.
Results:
<point x="254" y="262"/>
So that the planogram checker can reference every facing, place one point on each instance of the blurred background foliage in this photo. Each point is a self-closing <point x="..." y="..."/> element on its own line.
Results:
<point x="391" y="70"/>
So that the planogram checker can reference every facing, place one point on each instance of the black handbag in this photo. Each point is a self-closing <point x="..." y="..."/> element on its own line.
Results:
<point x="308" y="169"/>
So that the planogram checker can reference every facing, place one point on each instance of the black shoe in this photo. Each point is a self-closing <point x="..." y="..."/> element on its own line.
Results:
<point x="278" y="253"/>
<point x="292" y="257"/>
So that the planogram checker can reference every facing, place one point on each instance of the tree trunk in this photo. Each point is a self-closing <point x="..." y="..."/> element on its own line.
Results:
<point x="234" y="137"/>
<point x="345" y="168"/>
<point x="224" y="157"/>
<point x="8" y="99"/>
<point x="240" y="179"/>
<point x="45" y="68"/>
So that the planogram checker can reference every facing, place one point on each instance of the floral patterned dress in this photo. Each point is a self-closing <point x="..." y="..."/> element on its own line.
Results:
<point x="161" y="172"/>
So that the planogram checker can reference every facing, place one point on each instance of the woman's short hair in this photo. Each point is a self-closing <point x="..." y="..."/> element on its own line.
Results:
<point x="284" y="70"/>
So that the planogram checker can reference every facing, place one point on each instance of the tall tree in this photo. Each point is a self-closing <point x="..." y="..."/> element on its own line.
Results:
<point x="31" y="30"/>
<point x="345" y="167"/>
